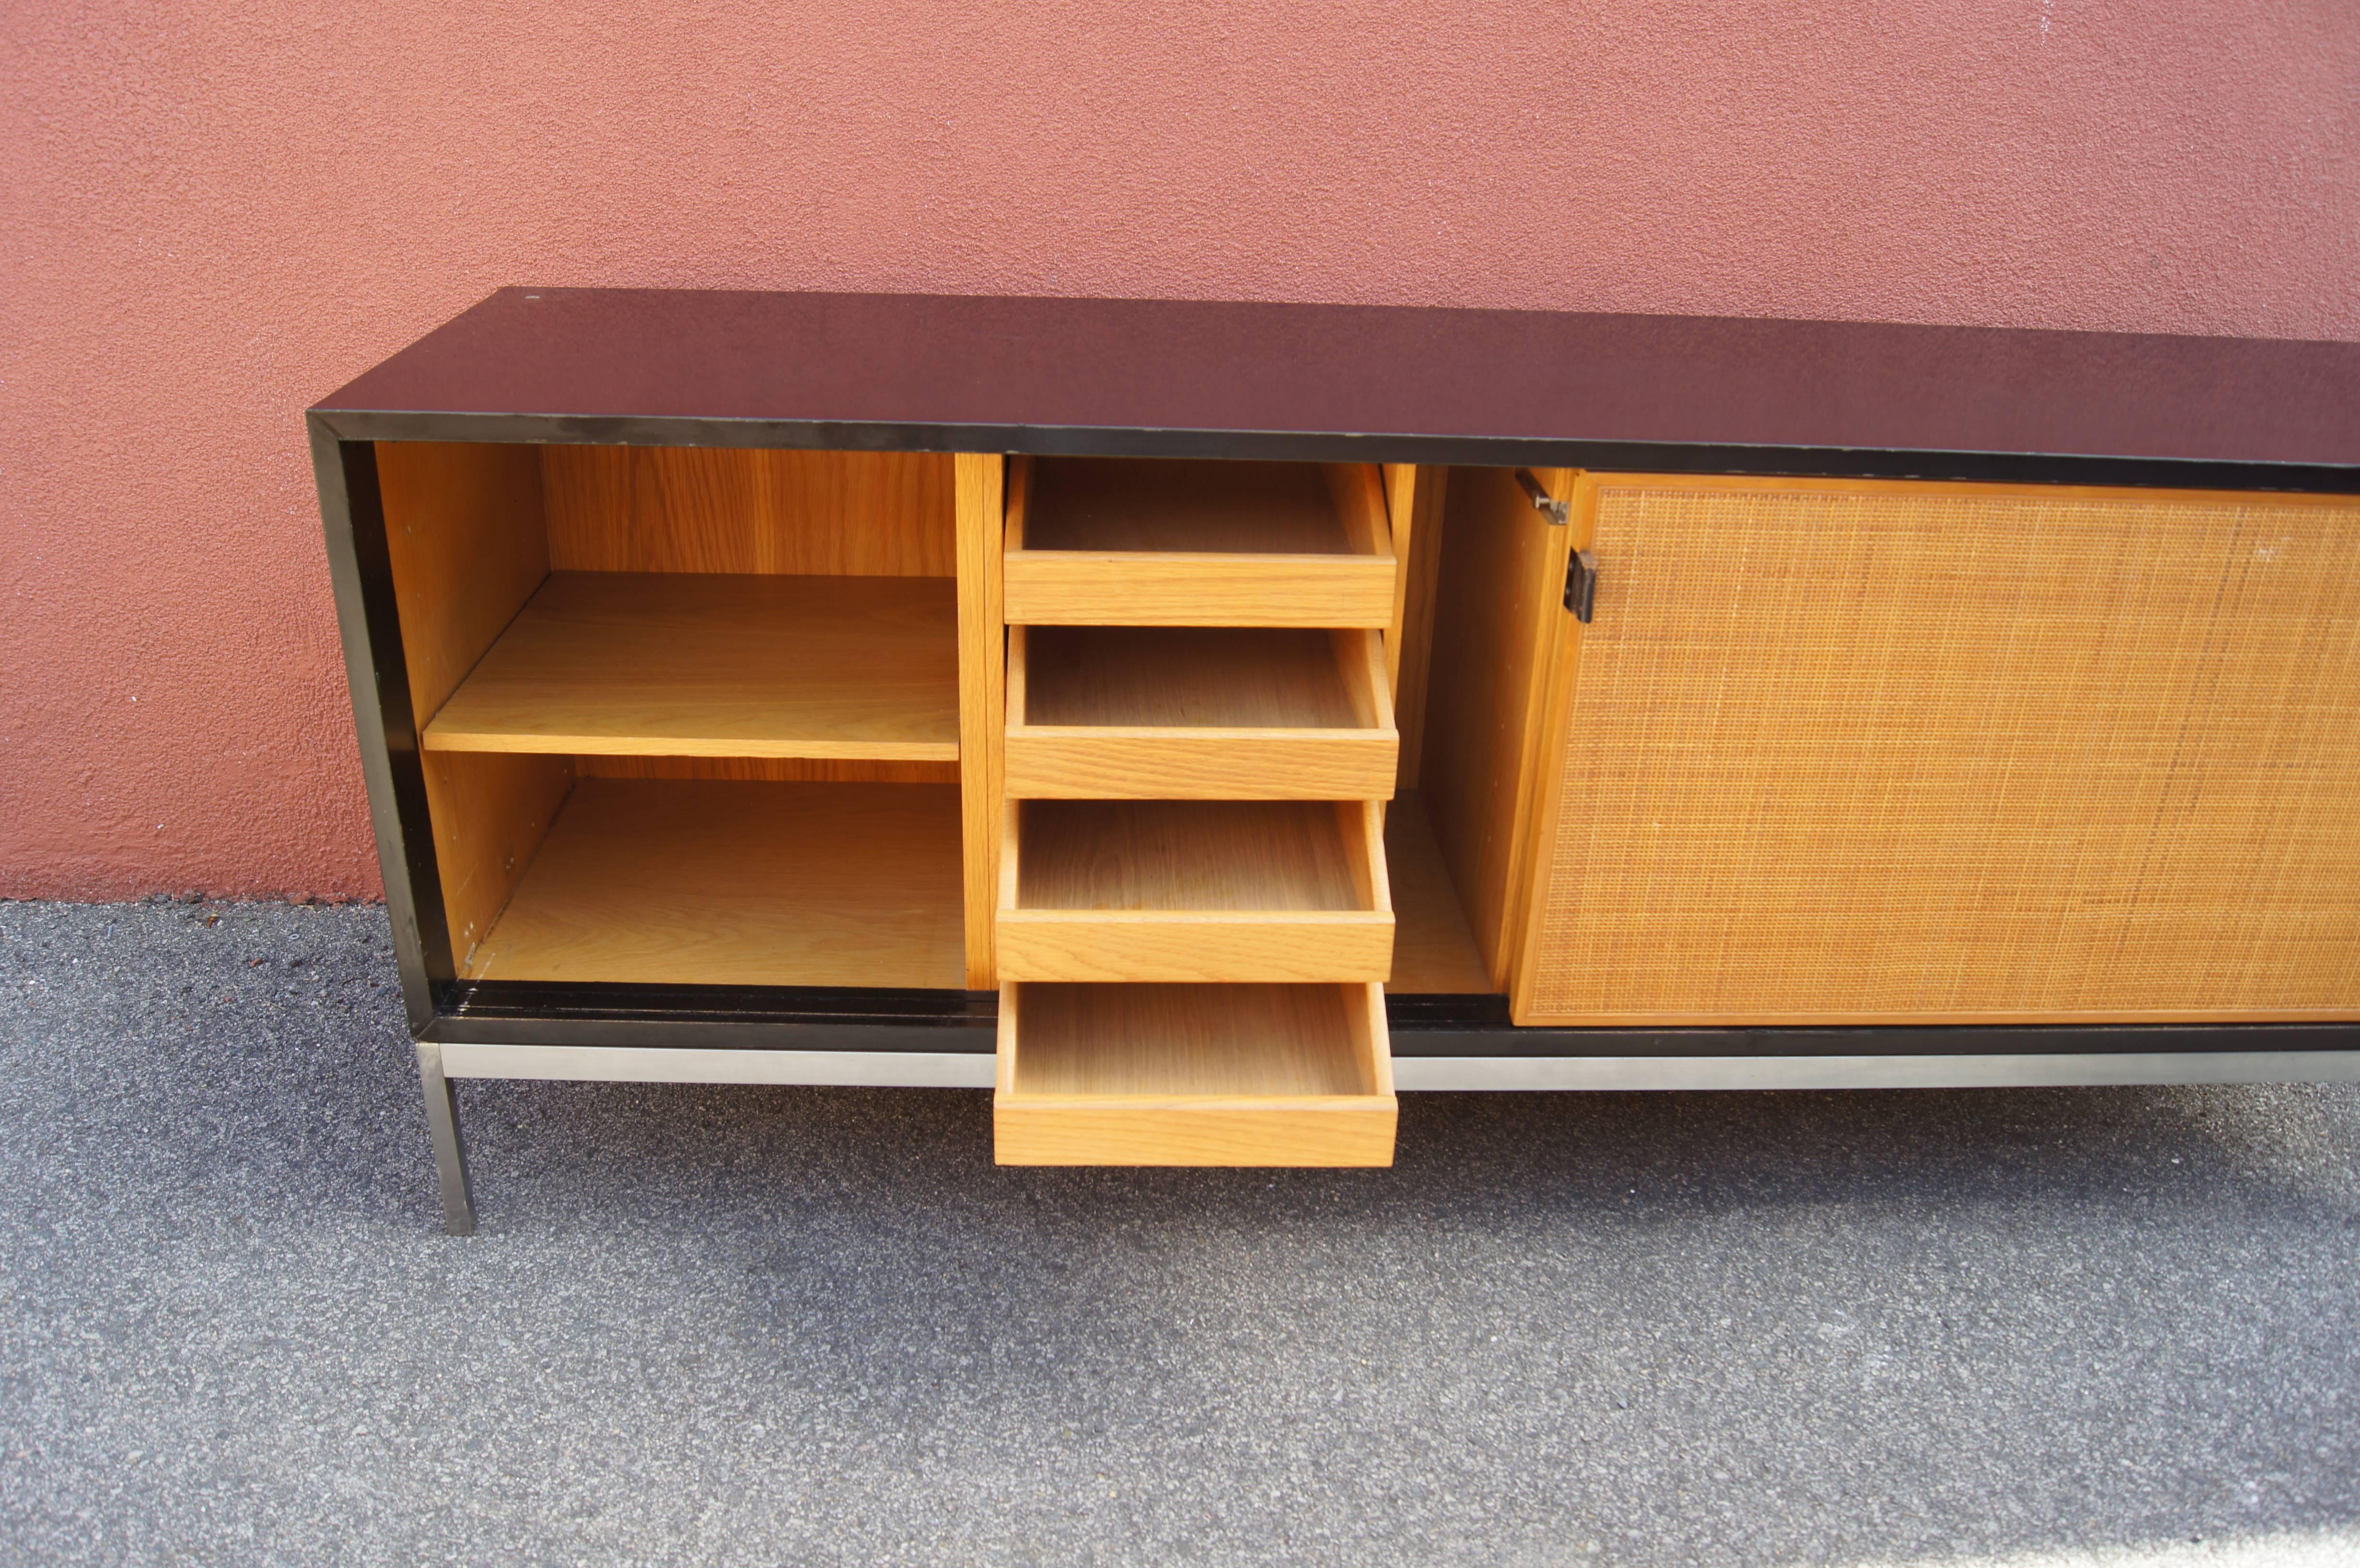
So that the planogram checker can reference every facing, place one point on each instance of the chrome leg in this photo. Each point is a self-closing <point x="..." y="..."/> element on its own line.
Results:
<point x="450" y="1150"/>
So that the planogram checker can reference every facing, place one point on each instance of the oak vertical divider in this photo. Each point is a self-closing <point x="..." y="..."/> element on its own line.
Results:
<point x="1495" y="632"/>
<point x="1414" y="498"/>
<point x="469" y="546"/>
<point x="987" y="496"/>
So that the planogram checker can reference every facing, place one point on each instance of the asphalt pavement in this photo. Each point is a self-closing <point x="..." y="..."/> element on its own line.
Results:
<point x="706" y="1325"/>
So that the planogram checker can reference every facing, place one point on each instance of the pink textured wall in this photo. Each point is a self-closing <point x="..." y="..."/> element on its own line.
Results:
<point x="214" y="212"/>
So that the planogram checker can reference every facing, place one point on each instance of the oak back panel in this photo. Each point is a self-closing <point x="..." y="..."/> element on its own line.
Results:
<point x="842" y="514"/>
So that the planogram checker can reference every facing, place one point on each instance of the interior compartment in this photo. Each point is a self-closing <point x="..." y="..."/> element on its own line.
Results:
<point x="731" y="883"/>
<point x="1144" y="1074"/>
<point x="1213" y="891"/>
<point x="1146" y="542"/>
<point x="1164" y="676"/>
<point x="1434" y="947"/>
<point x="1199" y="712"/>
<point x="1186" y="504"/>
<point x="1195" y="855"/>
<point x="581" y="623"/>
<point x="1498" y="619"/>
<point x="684" y="710"/>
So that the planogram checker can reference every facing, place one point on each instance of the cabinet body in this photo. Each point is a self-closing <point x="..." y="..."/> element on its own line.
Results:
<point x="1198" y="722"/>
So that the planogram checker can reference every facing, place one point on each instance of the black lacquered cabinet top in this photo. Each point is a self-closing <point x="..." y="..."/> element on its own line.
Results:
<point x="1186" y="378"/>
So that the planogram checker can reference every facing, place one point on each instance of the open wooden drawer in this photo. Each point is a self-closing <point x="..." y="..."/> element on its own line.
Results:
<point x="1169" y="713"/>
<point x="1192" y="1076"/>
<point x="1215" y="890"/>
<point x="1172" y="542"/>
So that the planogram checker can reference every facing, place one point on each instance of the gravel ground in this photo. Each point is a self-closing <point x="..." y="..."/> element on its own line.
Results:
<point x="818" y="1325"/>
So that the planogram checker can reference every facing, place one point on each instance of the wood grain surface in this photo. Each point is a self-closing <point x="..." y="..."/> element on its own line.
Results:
<point x="1191" y="854"/>
<point x="798" y="513"/>
<point x="1497" y="626"/>
<point x="1193" y="1075"/>
<point x="1199" y="712"/>
<point x="1168" y="677"/>
<point x="489" y="813"/>
<point x="739" y="884"/>
<point x="463" y="524"/>
<point x="768" y="769"/>
<point x="1077" y="588"/>
<point x="464" y="532"/>
<point x="986" y="494"/>
<point x="1199" y="764"/>
<point x="1146" y="543"/>
<point x="1163" y="890"/>
<point x="1418" y="505"/>
<point x="678" y="664"/>
<point x="1434" y="947"/>
<point x="1165" y="506"/>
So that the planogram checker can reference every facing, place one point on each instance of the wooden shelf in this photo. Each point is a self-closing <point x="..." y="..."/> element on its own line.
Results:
<point x="1139" y="541"/>
<point x="739" y="884"/>
<point x="1192" y="1076"/>
<point x="1198" y="714"/>
<point x="1205" y="891"/>
<point x="679" y="664"/>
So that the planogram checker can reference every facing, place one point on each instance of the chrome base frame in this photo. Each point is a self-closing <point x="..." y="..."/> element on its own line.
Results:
<point x="441" y="1062"/>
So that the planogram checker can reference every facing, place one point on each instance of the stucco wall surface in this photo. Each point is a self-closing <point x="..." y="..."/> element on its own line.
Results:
<point x="216" y="212"/>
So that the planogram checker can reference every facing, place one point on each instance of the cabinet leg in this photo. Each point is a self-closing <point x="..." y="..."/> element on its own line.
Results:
<point x="450" y="1149"/>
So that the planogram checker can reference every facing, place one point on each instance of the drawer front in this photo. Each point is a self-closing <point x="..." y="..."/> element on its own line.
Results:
<point x="1194" y="945"/>
<point x="1232" y="1075"/>
<point x="1114" y="763"/>
<point x="1200" y="1133"/>
<point x="1179" y="589"/>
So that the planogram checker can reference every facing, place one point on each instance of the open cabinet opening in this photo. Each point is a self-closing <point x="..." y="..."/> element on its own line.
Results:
<point x="685" y="715"/>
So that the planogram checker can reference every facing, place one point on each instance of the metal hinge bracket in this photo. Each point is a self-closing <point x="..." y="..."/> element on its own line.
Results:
<point x="1559" y="512"/>
<point x="1581" y="585"/>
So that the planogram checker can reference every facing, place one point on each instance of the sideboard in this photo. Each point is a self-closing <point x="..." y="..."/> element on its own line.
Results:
<point x="1199" y="722"/>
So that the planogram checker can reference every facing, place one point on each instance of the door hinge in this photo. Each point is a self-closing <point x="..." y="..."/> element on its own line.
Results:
<point x="1559" y="512"/>
<point x="1581" y="585"/>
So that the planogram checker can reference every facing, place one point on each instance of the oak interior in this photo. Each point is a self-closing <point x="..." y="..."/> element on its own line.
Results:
<point x="1165" y="677"/>
<point x="1229" y="1040"/>
<point x="1499" y="610"/>
<point x="709" y="665"/>
<point x="713" y="614"/>
<point x="1187" y="854"/>
<point x="692" y="715"/>
<point x="814" y="513"/>
<point x="714" y="882"/>
<point x="1434" y="945"/>
<point x="1182" y="505"/>
<point x="466" y="547"/>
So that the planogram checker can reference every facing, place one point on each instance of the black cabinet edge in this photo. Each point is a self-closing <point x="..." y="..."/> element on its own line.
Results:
<point x="793" y="1018"/>
<point x="2128" y="471"/>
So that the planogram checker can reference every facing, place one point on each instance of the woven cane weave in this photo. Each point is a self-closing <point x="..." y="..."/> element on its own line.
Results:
<point x="1912" y="754"/>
